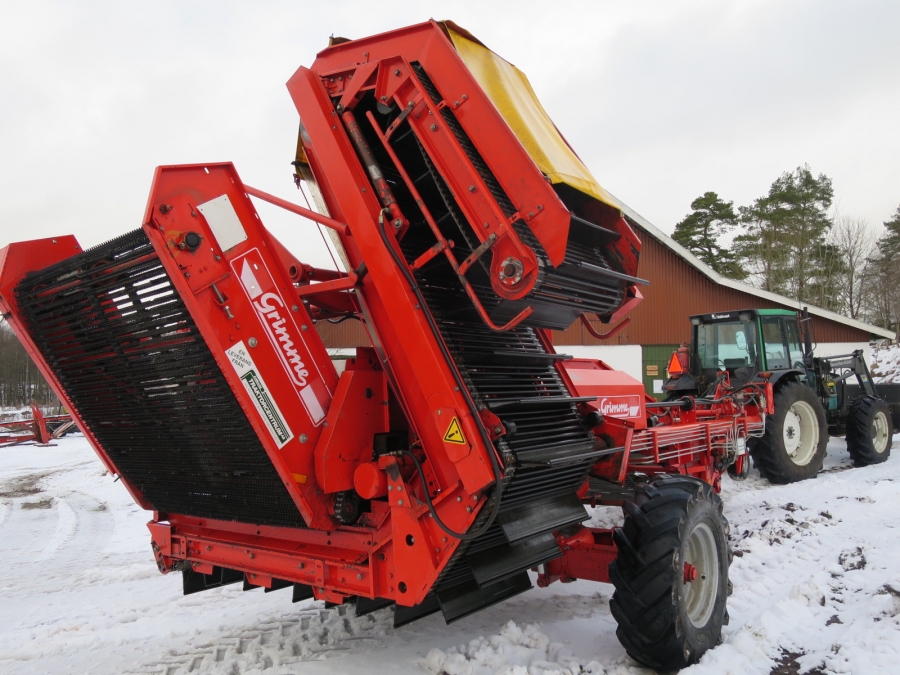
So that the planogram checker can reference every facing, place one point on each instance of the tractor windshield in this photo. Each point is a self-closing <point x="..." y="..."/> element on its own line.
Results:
<point x="727" y="345"/>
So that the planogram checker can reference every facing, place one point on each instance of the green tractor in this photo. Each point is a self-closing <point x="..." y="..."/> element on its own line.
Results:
<point x="812" y="396"/>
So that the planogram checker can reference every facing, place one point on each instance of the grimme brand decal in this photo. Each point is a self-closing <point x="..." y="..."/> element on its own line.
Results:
<point x="253" y="382"/>
<point x="620" y="406"/>
<point x="268" y="306"/>
<point x="282" y="331"/>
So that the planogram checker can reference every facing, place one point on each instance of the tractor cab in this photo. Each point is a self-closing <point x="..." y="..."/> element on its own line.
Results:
<point x="743" y="343"/>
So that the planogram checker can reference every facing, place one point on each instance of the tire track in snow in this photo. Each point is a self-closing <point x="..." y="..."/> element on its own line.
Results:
<point x="311" y="634"/>
<point x="66" y="522"/>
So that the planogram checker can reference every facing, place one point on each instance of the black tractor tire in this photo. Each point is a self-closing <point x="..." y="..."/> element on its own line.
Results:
<point x="796" y="436"/>
<point x="869" y="431"/>
<point x="675" y="525"/>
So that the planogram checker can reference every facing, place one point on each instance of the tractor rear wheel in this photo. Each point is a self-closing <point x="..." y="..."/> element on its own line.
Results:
<point x="869" y="433"/>
<point x="793" y="446"/>
<point x="671" y="572"/>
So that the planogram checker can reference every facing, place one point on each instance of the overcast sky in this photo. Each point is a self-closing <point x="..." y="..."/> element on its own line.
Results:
<point x="662" y="100"/>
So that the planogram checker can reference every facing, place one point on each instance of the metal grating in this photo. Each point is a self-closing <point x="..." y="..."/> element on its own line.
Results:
<point x="123" y="346"/>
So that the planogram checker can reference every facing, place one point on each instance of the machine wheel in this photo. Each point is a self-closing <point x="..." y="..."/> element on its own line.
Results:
<point x="740" y="469"/>
<point x="793" y="447"/>
<point x="671" y="573"/>
<point x="869" y="437"/>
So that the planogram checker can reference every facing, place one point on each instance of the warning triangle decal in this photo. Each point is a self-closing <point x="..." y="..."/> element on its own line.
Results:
<point x="454" y="433"/>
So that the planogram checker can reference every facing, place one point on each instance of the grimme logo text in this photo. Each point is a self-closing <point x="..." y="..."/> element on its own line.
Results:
<point x="608" y="407"/>
<point x="268" y="305"/>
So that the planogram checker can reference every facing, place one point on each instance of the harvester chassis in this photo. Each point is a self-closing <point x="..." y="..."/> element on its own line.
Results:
<point x="454" y="454"/>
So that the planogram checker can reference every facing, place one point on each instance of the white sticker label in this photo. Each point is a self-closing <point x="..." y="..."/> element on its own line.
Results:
<point x="249" y="374"/>
<point x="223" y="221"/>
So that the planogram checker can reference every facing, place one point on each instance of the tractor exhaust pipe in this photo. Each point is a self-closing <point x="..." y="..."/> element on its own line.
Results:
<point x="807" y="338"/>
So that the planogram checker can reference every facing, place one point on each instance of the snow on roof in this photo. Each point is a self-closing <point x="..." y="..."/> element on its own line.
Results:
<point x="707" y="271"/>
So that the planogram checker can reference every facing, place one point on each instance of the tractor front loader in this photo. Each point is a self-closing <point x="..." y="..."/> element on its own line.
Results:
<point x="451" y="461"/>
<point x="813" y="396"/>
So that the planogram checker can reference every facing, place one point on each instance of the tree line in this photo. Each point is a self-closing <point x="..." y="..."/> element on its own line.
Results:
<point x="20" y="380"/>
<point x="790" y="241"/>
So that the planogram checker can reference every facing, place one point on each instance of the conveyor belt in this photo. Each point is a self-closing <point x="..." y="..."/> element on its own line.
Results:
<point x="130" y="357"/>
<point x="548" y="451"/>
<point x="562" y="293"/>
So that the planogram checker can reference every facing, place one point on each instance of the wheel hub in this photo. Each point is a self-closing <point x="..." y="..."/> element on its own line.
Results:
<point x="880" y="432"/>
<point x="800" y="433"/>
<point x="700" y="575"/>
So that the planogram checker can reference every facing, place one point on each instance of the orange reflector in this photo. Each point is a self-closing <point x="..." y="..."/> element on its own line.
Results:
<point x="674" y="366"/>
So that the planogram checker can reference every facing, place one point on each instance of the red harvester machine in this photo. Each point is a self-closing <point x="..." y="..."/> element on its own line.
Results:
<point x="455" y="453"/>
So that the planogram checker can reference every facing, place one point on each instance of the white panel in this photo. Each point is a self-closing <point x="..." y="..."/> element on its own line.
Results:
<point x="627" y="358"/>
<point x="223" y="221"/>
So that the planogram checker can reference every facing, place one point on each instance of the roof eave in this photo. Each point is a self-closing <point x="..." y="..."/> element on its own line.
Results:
<point x="707" y="271"/>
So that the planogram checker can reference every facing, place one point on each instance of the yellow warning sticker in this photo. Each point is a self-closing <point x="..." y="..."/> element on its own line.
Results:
<point x="454" y="433"/>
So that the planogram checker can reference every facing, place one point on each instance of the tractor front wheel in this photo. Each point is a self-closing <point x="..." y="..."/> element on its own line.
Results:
<point x="671" y="573"/>
<point x="869" y="437"/>
<point x="793" y="446"/>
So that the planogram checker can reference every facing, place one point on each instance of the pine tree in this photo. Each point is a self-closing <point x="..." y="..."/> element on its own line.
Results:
<point x="886" y="305"/>
<point x="702" y="230"/>
<point x="784" y="241"/>
<point x="889" y="246"/>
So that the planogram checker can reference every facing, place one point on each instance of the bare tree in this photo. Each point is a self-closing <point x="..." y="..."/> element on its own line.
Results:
<point x="852" y="245"/>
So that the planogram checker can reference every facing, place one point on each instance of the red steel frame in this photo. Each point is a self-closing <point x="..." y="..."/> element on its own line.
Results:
<point x="396" y="551"/>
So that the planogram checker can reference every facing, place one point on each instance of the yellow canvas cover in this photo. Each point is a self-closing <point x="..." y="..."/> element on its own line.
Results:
<point x="509" y="90"/>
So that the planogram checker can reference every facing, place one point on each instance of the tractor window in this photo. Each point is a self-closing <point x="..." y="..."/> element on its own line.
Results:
<point x="777" y="355"/>
<point x="792" y="337"/>
<point x="727" y="345"/>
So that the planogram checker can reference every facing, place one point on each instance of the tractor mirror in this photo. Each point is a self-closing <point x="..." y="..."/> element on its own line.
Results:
<point x="740" y="340"/>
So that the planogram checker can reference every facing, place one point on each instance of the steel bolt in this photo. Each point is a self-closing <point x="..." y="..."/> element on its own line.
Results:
<point x="187" y="275"/>
<point x="471" y="188"/>
<point x="459" y="499"/>
<point x="303" y="438"/>
<point x="397" y="72"/>
<point x="390" y="487"/>
<point x="209" y="548"/>
<point x="301" y="566"/>
<point x="384" y="98"/>
<point x="399" y="502"/>
<point x="434" y="127"/>
<point x="468" y="509"/>
<point x="498" y="429"/>
<point x="252" y="342"/>
<point x="304" y="327"/>
<point x="295" y="308"/>
<point x="252" y="556"/>
<point x="217" y="257"/>
<point x="359" y="576"/>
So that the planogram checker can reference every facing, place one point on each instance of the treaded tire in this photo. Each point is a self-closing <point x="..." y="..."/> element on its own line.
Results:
<point x="652" y="600"/>
<point x="867" y="420"/>
<point x="770" y="453"/>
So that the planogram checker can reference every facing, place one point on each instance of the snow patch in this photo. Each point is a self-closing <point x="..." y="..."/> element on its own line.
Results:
<point x="886" y="364"/>
<point x="515" y="650"/>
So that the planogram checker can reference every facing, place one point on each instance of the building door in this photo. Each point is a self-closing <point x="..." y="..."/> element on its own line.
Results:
<point x="655" y="360"/>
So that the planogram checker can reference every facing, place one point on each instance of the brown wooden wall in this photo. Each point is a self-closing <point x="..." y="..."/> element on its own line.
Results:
<point x="676" y="291"/>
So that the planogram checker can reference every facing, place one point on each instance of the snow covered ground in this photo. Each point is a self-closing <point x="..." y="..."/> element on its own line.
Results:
<point x="816" y="574"/>
<point x="886" y="364"/>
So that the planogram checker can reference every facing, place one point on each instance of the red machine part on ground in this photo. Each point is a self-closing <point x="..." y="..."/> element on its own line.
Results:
<point x="447" y="459"/>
